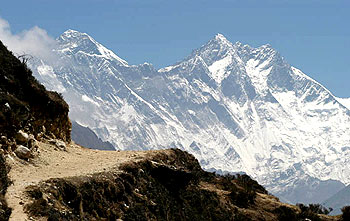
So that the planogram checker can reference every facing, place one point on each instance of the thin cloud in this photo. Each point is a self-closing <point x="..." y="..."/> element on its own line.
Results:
<point x="35" y="41"/>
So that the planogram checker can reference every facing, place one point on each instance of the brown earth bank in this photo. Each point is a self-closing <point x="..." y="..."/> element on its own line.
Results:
<point x="84" y="184"/>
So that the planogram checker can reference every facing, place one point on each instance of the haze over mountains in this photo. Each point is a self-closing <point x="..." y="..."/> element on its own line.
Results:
<point x="234" y="107"/>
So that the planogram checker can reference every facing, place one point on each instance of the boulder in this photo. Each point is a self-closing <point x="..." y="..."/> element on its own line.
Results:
<point x="61" y="145"/>
<point x="23" y="152"/>
<point x="3" y="140"/>
<point x="22" y="137"/>
<point x="32" y="143"/>
<point x="58" y="143"/>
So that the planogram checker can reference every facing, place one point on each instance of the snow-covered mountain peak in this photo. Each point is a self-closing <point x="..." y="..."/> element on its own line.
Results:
<point x="235" y="107"/>
<point x="215" y="49"/>
<point x="71" y="33"/>
<point x="345" y="102"/>
<point x="73" y="42"/>
<point x="221" y="38"/>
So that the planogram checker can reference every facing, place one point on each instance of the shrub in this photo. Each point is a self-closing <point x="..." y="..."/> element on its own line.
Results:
<point x="286" y="213"/>
<point x="307" y="213"/>
<point x="242" y="197"/>
<point x="346" y="213"/>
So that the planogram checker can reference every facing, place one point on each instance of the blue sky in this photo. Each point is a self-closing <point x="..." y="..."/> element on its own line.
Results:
<point x="313" y="36"/>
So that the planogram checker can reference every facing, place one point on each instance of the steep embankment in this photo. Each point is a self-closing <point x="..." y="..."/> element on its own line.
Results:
<point x="28" y="112"/>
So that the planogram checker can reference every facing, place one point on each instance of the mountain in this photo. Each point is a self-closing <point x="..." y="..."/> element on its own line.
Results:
<point x="338" y="200"/>
<point x="84" y="136"/>
<point x="64" y="181"/>
<point x="234" y="107"/>
<point x="345" y="102"/>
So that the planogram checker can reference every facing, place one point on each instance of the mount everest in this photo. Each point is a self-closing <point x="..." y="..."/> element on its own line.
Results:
<point x="234" y="107"/>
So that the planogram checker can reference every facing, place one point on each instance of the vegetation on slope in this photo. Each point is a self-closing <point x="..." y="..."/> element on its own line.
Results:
<point x="26" y="104"/>
<point x="5" y="211"/>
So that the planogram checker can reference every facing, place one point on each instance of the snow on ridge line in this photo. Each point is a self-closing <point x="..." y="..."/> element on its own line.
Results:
<point x="105" y="52"/>
<point x="88" y="99"/>
<point x="344" y="101"/>
<point x="302" y="74"/>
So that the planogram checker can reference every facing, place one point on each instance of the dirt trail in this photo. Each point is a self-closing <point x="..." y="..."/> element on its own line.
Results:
<point x="53" y="163"/>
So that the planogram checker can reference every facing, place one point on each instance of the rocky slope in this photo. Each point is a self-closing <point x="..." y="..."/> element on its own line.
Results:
<point x="234" y="107"/>
<point x="26" y="104"/>
<point x="27" y="112"/>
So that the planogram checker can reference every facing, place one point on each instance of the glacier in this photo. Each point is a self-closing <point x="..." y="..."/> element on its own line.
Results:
<point x="234" y="107"/>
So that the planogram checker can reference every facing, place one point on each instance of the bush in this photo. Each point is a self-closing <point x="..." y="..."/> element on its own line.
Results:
<point x="286" y="213"/>
<point x="249" y="184"/>
<point x="242" y="197"/>
<point x="307" y="213"/>
<point x="346" y="213"/>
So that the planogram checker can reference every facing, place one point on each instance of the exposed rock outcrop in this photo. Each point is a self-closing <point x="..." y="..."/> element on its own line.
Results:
<point x="23" y="152"/>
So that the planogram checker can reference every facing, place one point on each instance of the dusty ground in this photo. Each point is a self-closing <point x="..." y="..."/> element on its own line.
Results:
<point x="51" y="163"/>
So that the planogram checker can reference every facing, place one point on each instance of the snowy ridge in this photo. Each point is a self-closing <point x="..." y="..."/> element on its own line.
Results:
<point x="72" y="40"/>
<point x="345" y="102"/>
<point x="236" y="108"/>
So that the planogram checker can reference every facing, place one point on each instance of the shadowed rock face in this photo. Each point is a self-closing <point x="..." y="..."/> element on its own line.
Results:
<point x="26" y="104"/>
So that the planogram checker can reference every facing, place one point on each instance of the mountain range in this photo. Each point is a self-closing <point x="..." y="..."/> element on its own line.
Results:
<point x="234" y="107"/>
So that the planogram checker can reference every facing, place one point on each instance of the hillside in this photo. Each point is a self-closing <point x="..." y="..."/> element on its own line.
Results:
<point x="28" y="112"/>
<point x="81" y="183"/>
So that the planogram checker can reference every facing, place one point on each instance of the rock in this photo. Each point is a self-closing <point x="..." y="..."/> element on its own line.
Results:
<point x="23" y="152"/>
<point x="3" y="140"/>
<point x="22" y="137"/>
<point x="39" y="136"/>
<point x="58" y="143"/>
<point x="8" y="106"/>
<point x="32" y="143"/>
